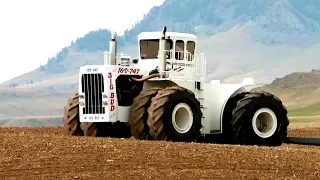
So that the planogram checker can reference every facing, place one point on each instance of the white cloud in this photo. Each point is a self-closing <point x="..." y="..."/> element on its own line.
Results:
<point x="33" y="30"/>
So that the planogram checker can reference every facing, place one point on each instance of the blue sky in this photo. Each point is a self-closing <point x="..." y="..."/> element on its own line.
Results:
<point x="33" y="30"/>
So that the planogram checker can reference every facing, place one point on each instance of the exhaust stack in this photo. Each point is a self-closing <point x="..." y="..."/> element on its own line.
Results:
<point x="162" y="54"/>
<point x="113" y="50"/>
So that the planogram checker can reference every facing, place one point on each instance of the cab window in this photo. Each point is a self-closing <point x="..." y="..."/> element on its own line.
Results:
<point x="169" y="46"/>
<point x="149" y="48"/>
<point x="190" y="48"/>
<point x="179" y="52"/>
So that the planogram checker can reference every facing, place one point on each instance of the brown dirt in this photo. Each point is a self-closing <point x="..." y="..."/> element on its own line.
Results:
<point x="45" y="153"/>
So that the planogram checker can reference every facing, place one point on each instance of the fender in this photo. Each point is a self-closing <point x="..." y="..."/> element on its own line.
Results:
<point x="216" y="96"/>
<point x="246" y="86"/>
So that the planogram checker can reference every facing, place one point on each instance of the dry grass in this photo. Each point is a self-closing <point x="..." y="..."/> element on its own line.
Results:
<point x="19" y="106"/>
<point x="300" y="92"/>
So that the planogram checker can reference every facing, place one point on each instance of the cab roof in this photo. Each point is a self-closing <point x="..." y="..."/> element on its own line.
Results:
<point x="157" y="35"/>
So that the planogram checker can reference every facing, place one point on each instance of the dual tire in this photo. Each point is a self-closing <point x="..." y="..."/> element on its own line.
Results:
<point x="258" y="118"/>
<point x="172" y="113"/>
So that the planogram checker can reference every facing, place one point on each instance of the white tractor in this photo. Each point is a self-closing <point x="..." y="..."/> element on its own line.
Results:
<point x="162" y="95"/>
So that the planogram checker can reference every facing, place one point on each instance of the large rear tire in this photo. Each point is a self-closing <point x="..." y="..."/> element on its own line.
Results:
<point x="227" y="117"/>
<point x="139" y="114"/>
<point x="174" y="114"/>
<point x="70" y="117"/>
<point x="255" y="110"/>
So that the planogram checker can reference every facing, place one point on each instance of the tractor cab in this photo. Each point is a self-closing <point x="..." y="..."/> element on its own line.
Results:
<point x="179" y="47"/>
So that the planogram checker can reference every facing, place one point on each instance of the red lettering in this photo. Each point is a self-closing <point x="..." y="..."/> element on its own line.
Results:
<point x="128" y="70"/>
<point x="111" y="87"/>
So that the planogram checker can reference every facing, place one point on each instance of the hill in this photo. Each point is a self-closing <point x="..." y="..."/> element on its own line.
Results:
<point x="20" y="107"/>
<point x="253" y="38"/>
<point x="300" y="92"/>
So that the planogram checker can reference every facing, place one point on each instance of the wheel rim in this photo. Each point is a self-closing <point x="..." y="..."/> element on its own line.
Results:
<point x="182" y="118"/>
<point x="264" y="122"/>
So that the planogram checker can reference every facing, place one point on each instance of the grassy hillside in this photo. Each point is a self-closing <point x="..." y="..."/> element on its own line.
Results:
<point x="23" y="107"/>
<point x="42" y="79"/>
<point x="300" y="93"/>
<point x="231" y="56"/>
<point x="240" y="38"/>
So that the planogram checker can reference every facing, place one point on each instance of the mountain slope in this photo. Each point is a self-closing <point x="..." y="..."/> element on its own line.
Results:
<point x="290" y="25"/>
<point x="300" y="92"/>
<point x="23" y="107"/>
<point x="276" y="33"/>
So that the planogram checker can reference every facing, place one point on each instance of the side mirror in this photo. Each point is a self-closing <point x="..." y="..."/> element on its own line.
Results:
<point x="134" y="61"/>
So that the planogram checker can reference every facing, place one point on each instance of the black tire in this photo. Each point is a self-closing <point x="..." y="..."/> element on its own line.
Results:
<point x="139" y="114"/>
<point x="160" y="114"/>
<point x="227" y="117"/>
<point x="89" y="128"/>
<point x="243" y="113"/>
<point x="70" y="119"/>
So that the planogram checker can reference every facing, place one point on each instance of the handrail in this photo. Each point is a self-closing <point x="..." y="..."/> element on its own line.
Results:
<point x="189" y="67"/>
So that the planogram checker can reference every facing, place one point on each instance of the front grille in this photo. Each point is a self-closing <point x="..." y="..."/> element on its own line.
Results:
<point x="93" y="87"/>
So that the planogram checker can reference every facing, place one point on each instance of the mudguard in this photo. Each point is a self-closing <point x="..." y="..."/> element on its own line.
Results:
<point x="216" y="96"/>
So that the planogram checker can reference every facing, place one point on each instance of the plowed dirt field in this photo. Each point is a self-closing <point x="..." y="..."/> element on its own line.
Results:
<point x="45" y="153"/>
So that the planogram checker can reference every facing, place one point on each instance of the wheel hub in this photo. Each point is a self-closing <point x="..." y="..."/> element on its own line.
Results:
<point x="264" y="122"/>
<point x="182" y="118"/>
